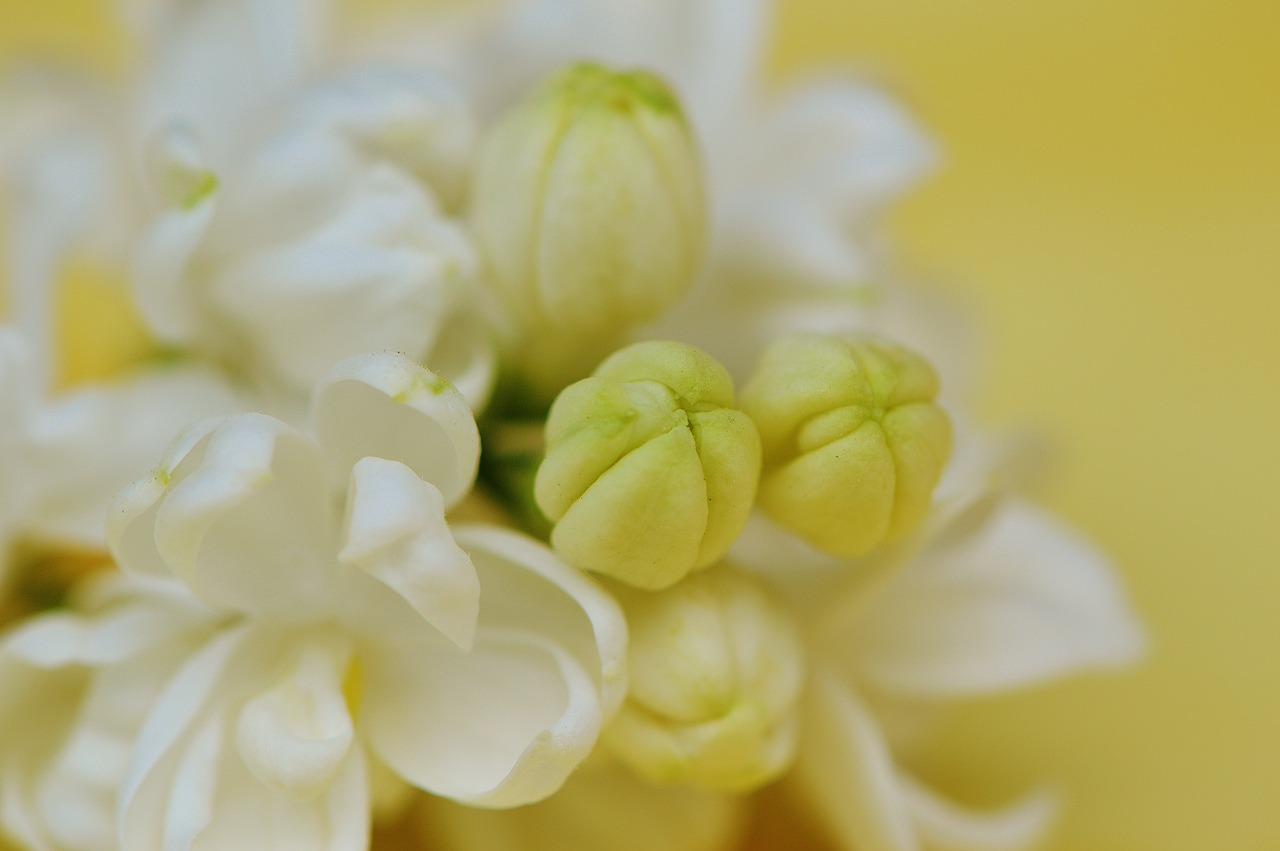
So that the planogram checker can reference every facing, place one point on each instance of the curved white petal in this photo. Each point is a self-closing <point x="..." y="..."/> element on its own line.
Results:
<point x="386" y="406"/>
<point x="164" y="744"/>
<point x="189" y="190"/>
<point x="396" y="532"/>
<point x="248" y="522"/>
<point x="845" y="772"/>
<point x="295" y="736"/>
<point x="218" y="64"/>
<point x="501" y="726"/>
<point x="465" y="352"/>
<point x="813" y="174"/>
<point x="601" y="806"/>
<point x="131" y="519"/>
<point x="944" y="826"/>
<point x="1015" y="600"/>
<point x="249" y="815"/>
<point x="60" y="639"/>
<point x="415" y="118"/>
<point x="382" y="271"/>
<point x="78" y="786"/>
<point x="525" y="585"/>
<point x="88" y="444"/>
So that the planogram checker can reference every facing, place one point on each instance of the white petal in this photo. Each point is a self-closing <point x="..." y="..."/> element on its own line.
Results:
<point x="160" y="285"/>
<point x="396" y="532"/>
<point x="77" y="791"/>
<point x="145" y="790"/>
<point x="524" y="585"/>
<point x="386" y="406"/>
<point x="465" y="353"/>
<point x="295" y="736"/>
<point x="382" y="271"/>
<point x="943" y="826"/>
<point x="1017" y="600"/>
<point x="131" y="519"/>
<point x="845" y="771"/>
<point x="189" y="805"/>
<point x="60" y="639"/>
<point x="219" y="64"/>
<point x="501" y="726"/>
<point x="248" y="522"/>
<point x="417" y="119"/>
<point x="89" y="444"/>
<point x="248" y="815"/>
<point x="810" y="179"/>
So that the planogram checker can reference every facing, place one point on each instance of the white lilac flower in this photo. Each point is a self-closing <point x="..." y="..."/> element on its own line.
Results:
<point x="65" y="455"/>
<point x="989" y="594"/>
<point x="358" y="629"/>
<point x="300" y="217"/>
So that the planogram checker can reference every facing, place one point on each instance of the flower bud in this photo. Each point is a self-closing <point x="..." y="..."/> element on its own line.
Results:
<point x="649" y="471"/>
<point x="588" y="203"/>
<point x="715" y="678"/>
<point x="853" y="442"/>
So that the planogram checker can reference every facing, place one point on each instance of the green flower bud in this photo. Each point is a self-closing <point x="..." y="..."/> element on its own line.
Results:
<point x="715" y="670"/>
<point x="588" y="203"/>
<point x="853" y="442"/>
<point x="649" y="471"/>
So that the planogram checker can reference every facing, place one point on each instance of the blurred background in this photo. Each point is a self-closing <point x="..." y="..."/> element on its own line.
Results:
<point x="1108" y="208"/>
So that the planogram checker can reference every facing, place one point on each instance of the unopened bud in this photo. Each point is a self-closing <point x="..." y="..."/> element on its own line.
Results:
<point x="649" y="471"/>
<point x="715" y="668"/>
<point x="588" y="203"/>
<point x="853" y="442"/>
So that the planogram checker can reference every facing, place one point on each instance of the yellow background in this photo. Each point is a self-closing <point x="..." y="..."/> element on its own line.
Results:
<point x="1110" y="208"/>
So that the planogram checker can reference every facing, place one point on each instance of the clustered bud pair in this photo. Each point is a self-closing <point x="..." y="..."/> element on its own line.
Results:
<point x="651" y="472"/>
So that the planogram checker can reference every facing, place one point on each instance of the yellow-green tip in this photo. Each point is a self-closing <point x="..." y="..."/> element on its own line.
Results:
<point x="853" y="441"/>
<point x="649" y="471"/>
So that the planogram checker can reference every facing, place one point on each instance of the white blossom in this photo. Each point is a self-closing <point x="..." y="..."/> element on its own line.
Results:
<point x="357" y="627"/>
<point x="989" y="594"/>
<point x="300" y="217"/>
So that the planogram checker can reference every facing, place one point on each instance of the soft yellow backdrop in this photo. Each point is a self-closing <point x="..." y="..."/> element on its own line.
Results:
<point x="1111" y="204"/>
<point x="1110" y="207"/>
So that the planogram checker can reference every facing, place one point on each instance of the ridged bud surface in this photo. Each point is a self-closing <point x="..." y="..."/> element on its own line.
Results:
<point x="853" y="442"/>
<point x="649" y="472"/>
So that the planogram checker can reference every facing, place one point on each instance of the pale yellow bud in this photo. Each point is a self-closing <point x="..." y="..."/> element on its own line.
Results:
<point x="716" y="670"/>
<point x="588" y="204"/>
<point x="649" y="471"/>
<point x="853" y="442"/>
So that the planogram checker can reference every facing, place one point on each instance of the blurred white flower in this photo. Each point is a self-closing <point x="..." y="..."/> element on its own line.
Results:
<point x="474" y="665"/>
<point x="77" y="685"/>
<point x="989" y="594"/>
<point x="64" y="456"/>
<point x="300" y="219"/>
